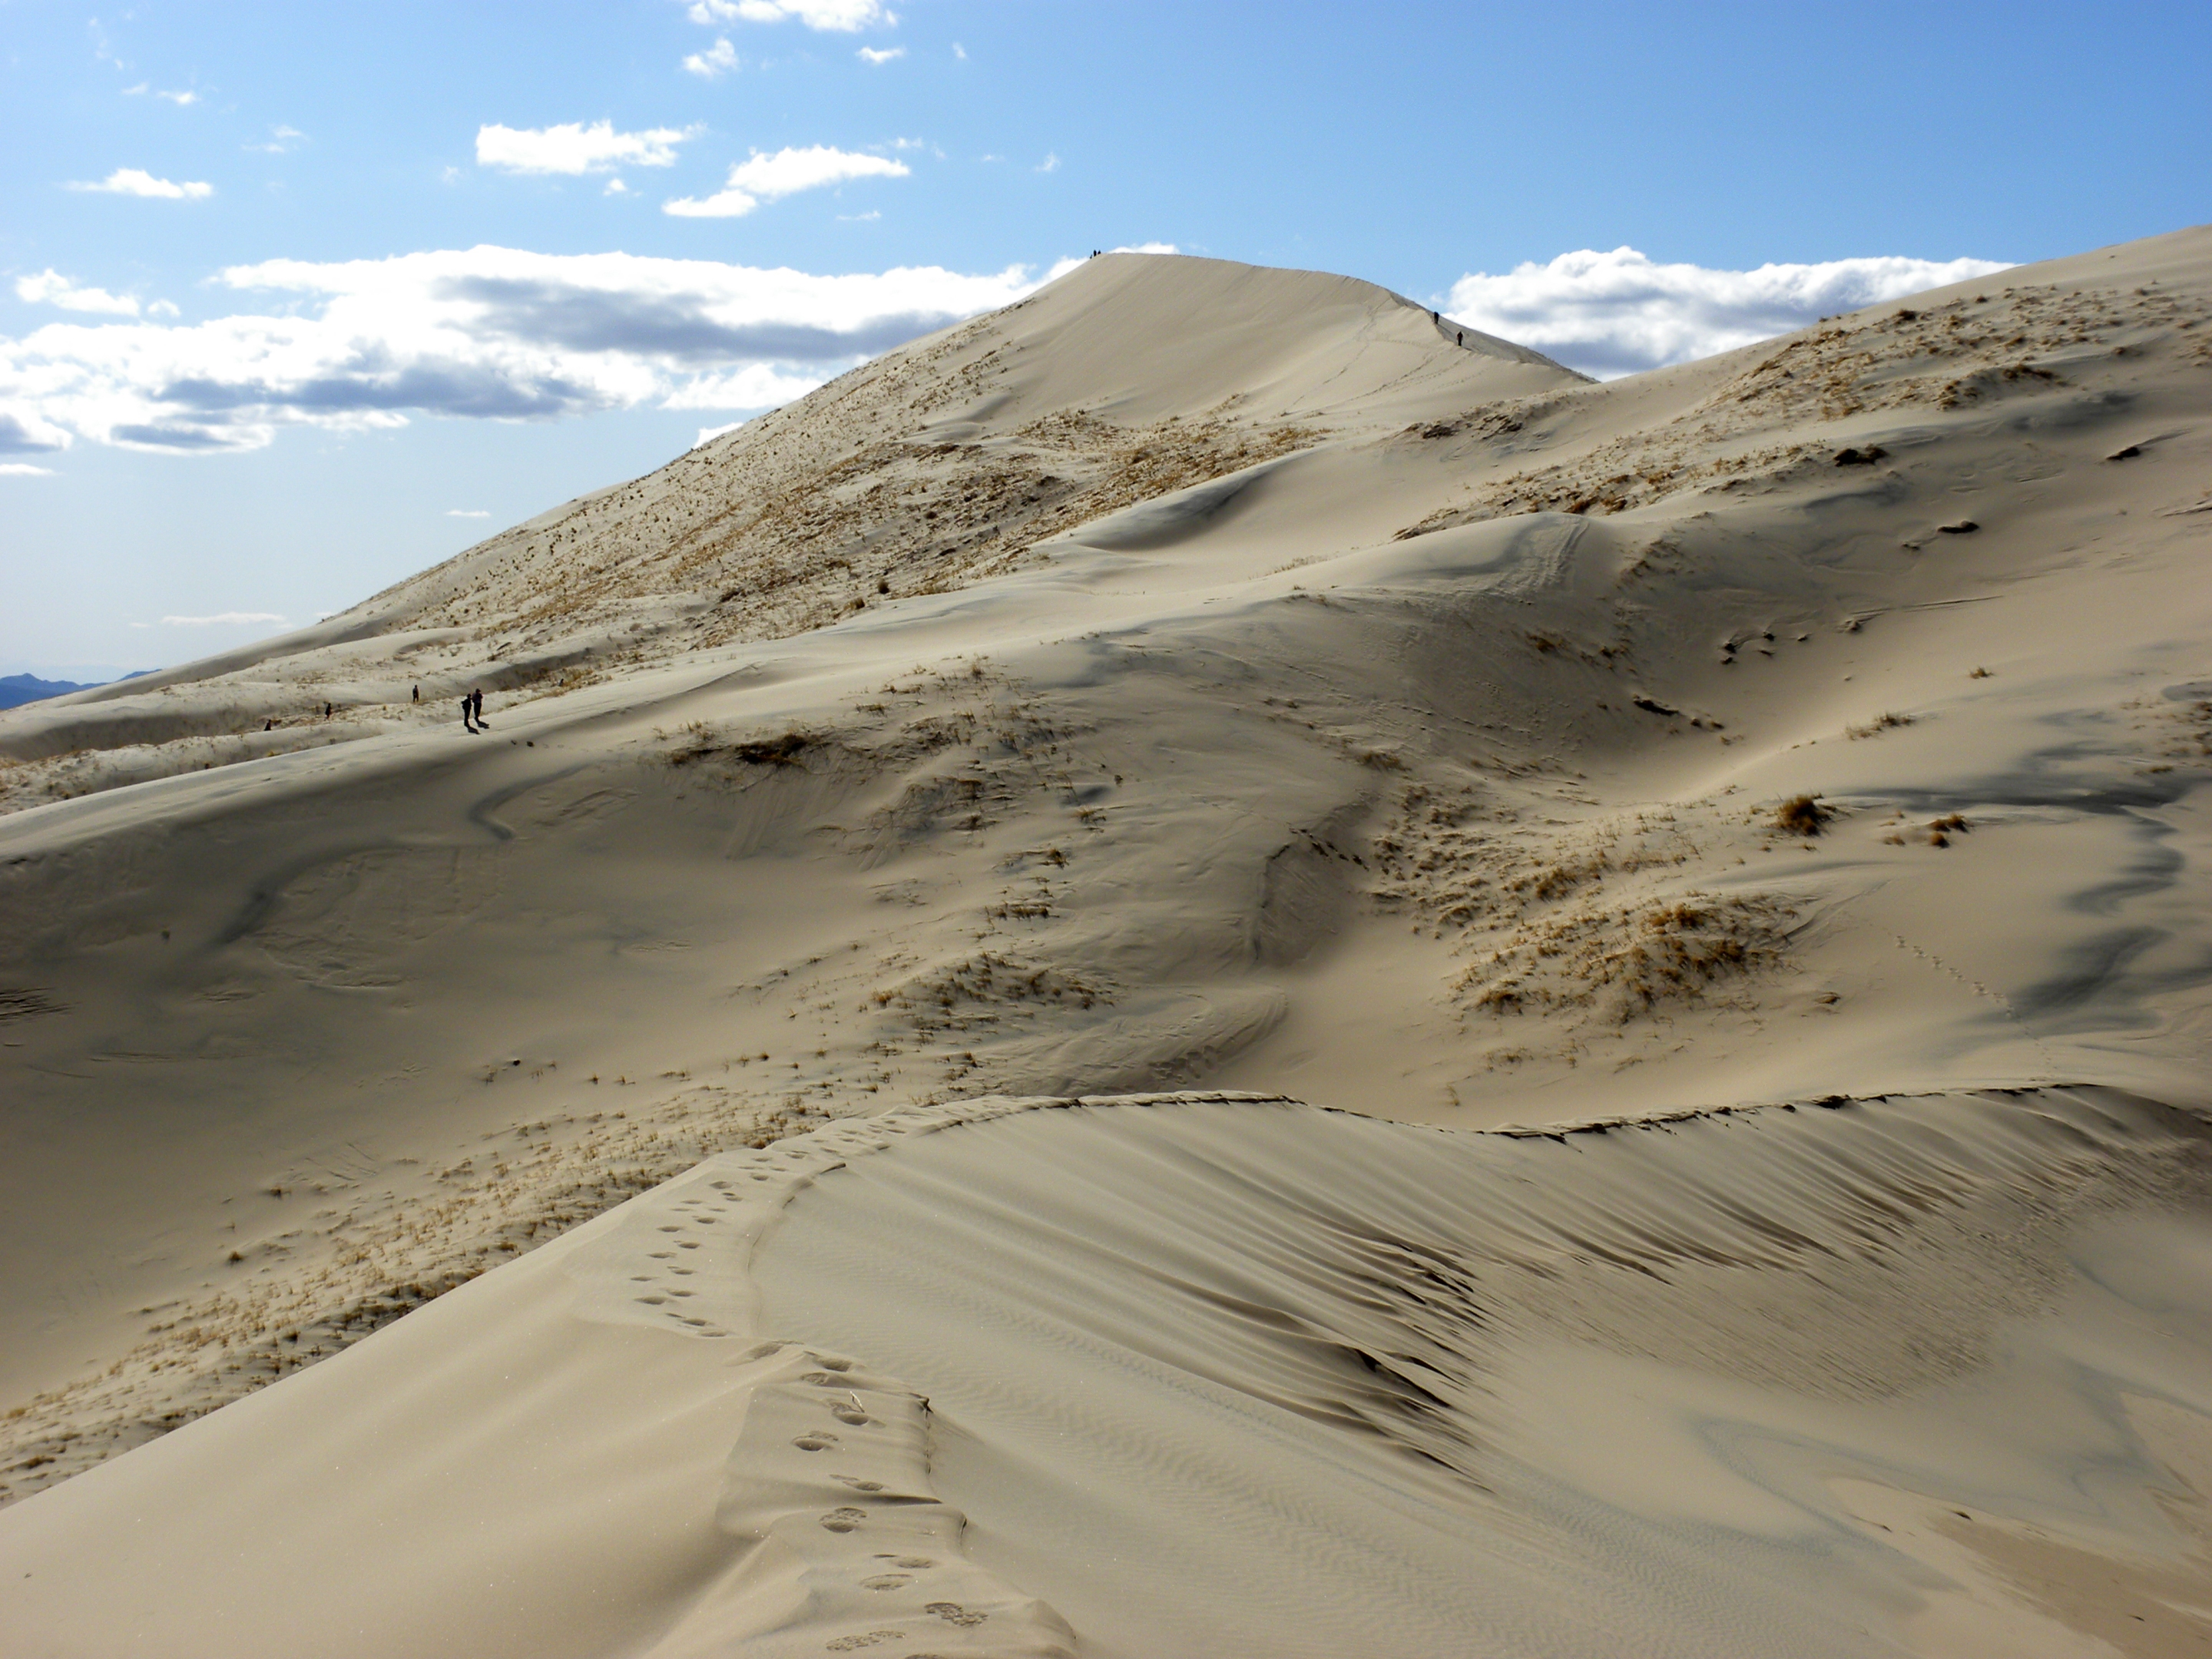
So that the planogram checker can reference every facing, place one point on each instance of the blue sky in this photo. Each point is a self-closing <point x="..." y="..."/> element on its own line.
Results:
<point x="285" y="291"/>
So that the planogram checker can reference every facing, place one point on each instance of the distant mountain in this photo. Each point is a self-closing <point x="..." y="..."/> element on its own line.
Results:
<point x="16" y="689"/>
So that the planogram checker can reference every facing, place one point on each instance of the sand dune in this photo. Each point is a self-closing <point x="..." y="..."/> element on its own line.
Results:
<point x="1193" y="677"/>
<point x="1205" y="1374"/>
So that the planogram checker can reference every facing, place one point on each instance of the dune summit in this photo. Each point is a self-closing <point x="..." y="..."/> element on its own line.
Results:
<point x="1729" y="842"/>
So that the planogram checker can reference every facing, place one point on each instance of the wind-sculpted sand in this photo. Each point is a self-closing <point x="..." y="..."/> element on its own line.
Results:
<point x="1192" y="677"/>
<point x="1215" y="1374"/>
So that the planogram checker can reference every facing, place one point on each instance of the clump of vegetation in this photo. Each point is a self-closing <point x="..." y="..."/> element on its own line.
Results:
<point x="1802" y="815"/>
<point x="783" y="750"/>
<point x="1875" y="726"/>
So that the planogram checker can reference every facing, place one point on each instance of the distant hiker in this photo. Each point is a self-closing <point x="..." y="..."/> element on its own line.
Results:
<point x="469" y="710"/>
<point x="1460" y="339"/>
<point x="478" y="695"/>
<point x="327" y="711"/>
<point x="418" y="694"/>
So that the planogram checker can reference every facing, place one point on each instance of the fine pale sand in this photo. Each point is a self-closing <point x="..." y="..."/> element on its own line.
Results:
<point x="1776" y="783"/>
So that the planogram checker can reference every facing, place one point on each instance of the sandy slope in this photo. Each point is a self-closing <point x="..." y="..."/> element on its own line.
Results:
<point x="1194" y="675"/>
<point x="1226" y="1376"/>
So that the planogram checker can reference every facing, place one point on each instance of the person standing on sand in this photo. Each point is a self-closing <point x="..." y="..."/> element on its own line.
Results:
<point x="469" y="710"/>
<point x="478" y="695"/>
<point x="418" y="694"/>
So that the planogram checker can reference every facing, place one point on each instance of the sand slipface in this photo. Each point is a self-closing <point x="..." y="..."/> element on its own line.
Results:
<point x="1193" y="677"/>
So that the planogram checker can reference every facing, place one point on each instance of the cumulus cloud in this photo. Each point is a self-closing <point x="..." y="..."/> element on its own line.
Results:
<point x="485" y="333"/>
<point x="766" y="178"/>
<point x="223" y="619"/>
<point x="842" y="15"/>
<point x="872" y="55"/>
<point x="136" y="181"/>
<point x="715" y="62"/>
<point x="574" y="149"/>
<point x="50" y="288"/>
<point x="1615" y="313"/>
<point x="708" y="433"/>
<point x="24" y="470"/>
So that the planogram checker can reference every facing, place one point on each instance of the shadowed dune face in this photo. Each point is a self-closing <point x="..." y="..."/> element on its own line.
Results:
<point x="1190" y="676"/>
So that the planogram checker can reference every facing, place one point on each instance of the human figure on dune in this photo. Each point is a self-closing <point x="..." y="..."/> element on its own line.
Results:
<point x="469" y="710"/>
<point x="478" y="695"/>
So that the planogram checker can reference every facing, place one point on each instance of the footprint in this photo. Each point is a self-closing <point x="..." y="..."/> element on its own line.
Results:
<point x="848" y="1520"/>
<point x="915" y="1561"/>
<point x="653" y="1301"/>
<point x="850" y="1643"/>
<point x="953" y="1614"/>
<point x="887" y="1580"/>
<point x="816" y="1443"/>
<point x="857" y="1484"/>
<point x="851" y="1416"/>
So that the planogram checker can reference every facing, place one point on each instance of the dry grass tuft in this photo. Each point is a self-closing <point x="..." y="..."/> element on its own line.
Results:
<point x="1802" y="815"/>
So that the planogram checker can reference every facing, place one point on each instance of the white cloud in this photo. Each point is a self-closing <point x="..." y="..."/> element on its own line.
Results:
<point x="867" y="218"/>
<point x="281" y="140"/>
<point x="765" y="178"/>
<point x="715" y="62"/>
<point x="1619" y="312"/>
<point x="1050" y="164"/>
<point x="466" y="513"/>
<point x="708" y="433"/>
<point x="1146" y="247"/>
<point x="574" y="149"/>
<point x="24" y="470"/>
<point x="960" y="51"/>
<point x="485" y="333"/>
<point x="842" y="15"/>
<point x="223" y="619"/>
<point x="50" y="288"/>
<point x="872" y="55"/>
<point x="135" y="181"/>
<point x="181" y="100"/>
<point x="616" y="187"/>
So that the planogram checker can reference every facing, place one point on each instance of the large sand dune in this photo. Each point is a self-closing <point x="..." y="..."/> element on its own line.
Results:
<point x="1192" y="677"/>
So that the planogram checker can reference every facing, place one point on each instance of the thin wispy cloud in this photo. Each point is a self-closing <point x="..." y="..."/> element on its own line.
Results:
<point x="1050" y="164"/>
<point x="181" y="100"/>
<point x="574" y="150"/>
<point x="872" y="55"/>
<point x="466" y="513"/>
<point x="281" y="140"/>
<point x="768" y="177"/>
<point x="24" y="470"/>
<point x="843" y="16"/>
<point x="136" y="181"/>
<point x="223" y="619"/>
<point x="718" y="60"/>
<point x="50" y="288"/>
<point x="1619" y="312"/>
<point x="484" y="334"/>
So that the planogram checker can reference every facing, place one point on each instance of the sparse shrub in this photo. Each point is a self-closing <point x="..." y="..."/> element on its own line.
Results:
<point x="1802" y="815"/>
